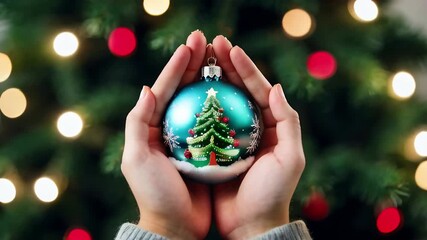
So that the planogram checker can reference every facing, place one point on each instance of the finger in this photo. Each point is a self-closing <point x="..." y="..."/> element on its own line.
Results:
<point x="288" y="129"/>
<point x="137" y="124"/>
<point x="253" y="79"/>
<point x="196" y="41"/>
<point x="168" y="80"/>
<point x="221" y="48"/>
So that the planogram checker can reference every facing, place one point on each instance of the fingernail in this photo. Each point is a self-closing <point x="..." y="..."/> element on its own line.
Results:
<point x="143" y="93"/>
<point x="198" y="30"/>
<point x="279" y="90"/>
<point x="228" y="41"/>
<point x="178" y="48"/>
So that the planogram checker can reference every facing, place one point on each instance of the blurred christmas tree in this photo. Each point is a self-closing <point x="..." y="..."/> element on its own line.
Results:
<point x="336" y="60"/>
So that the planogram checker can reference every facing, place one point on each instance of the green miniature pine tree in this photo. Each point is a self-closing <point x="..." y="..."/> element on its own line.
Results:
<point x="212" y="140"/>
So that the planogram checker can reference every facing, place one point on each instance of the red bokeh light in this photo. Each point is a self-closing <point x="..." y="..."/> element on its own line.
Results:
<point x="317" y="207"/>
<point x="321" y="65"/>
<point x="122" y="42"/>
<point x="389" y="220"/>
<point x="78" y="234"/>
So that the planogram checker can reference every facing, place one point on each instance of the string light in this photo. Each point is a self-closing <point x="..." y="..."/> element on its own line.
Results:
<point x="402" y="85"/>
<point x="297" y="23"/>
<point x="5" y="67"/>
<point x="65" y="44"/>
<point x="420" y="143"/>
<point x="78" y="234"/>
<point x="70" y="124"/>
<point x="7" y="190"/>
<point x="363" y="10"/>
<point x="389" y="220"/>
<point x="122" y="42"/>
<point x="156" y="7"/>
<point x="421" y="175"/>
<point x="321" y="65"/>
<point x="13" y="103"/>
<point x="46" y="189"/>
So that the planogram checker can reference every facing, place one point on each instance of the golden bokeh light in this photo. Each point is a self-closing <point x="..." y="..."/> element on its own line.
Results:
<point x="421" y="175"/>
<point x="297" y="23"/>
<point x="13" y="103"/>
<point x="5" y="67"/>
<point x="156" y="7"/>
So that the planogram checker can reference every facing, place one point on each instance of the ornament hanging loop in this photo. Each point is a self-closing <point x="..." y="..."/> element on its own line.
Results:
<point x="212" y="59"/>
<point x="211" y="72"/>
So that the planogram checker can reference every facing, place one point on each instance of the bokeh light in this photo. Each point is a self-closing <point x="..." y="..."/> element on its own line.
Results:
<point x="65" y="44"/>
<point x="420" y="143"/>
<point x="402" y="85"/>
<point x="297" y="23"/>
<point x="317" y="207"/>
<point x="156" y="7"/>
<point x="389" y="220"/>
<point x="13" y="103"/>
<point x="421" y="175"/>
<point x="7" y="190"/>
<point x="122" y="42"/>
<point x="5" y="67"/>
<point x="321" y="65"/>
<point x="70" y="124"/>
<point x="363" y="10"/>
<point x="78" y="234"/>
<point x="46" y="189"/>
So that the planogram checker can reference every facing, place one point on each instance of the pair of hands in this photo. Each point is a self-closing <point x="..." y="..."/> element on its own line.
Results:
<point x="247" y="206"/>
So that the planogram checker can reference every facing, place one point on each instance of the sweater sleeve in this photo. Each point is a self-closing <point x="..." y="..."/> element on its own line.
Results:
<point x="293" y="231"/>
<point x="296" y="230"/>
<point x="129" y="231"/>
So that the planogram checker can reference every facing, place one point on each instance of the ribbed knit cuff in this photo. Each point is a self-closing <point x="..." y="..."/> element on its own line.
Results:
<point x="292" y="231"/>
<point x="129" y="231"/>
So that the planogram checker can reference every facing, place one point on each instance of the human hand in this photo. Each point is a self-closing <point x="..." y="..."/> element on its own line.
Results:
<point x="259" y="200"/>
<point x="168" y="204"/>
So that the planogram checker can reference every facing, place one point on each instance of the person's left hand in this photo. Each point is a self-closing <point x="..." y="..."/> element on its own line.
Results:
<point x="168" y="204"/>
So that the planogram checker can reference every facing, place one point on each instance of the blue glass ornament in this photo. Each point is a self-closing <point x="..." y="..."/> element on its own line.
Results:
<point x="212" y="128"/>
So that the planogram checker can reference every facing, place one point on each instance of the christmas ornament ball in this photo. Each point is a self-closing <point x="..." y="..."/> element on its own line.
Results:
<point x="211" y="129"/>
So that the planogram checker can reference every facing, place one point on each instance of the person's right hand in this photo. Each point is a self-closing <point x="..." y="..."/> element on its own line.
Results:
<point x="168" y="204"/>
<point x="259" y="200"/>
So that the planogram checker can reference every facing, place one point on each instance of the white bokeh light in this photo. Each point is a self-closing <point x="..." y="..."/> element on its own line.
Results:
<point x="70" y="124"/>
<point x="403" y="85"/>
<point x="46" y="189"/>
<point x="420" y="143"/>
<point x="7" y="190"/>
<point x="365" y="10"/>
<point x="65" y="44"/>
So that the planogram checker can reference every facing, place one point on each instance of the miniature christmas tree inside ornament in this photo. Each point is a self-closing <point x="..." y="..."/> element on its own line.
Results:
<point x="211" y="128"/>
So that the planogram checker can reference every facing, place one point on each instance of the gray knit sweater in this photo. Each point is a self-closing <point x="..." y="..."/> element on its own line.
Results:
<point x="293" y="231"/>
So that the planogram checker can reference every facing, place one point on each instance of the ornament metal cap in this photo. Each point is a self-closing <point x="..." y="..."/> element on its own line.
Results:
<point x="211" y="70"/>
